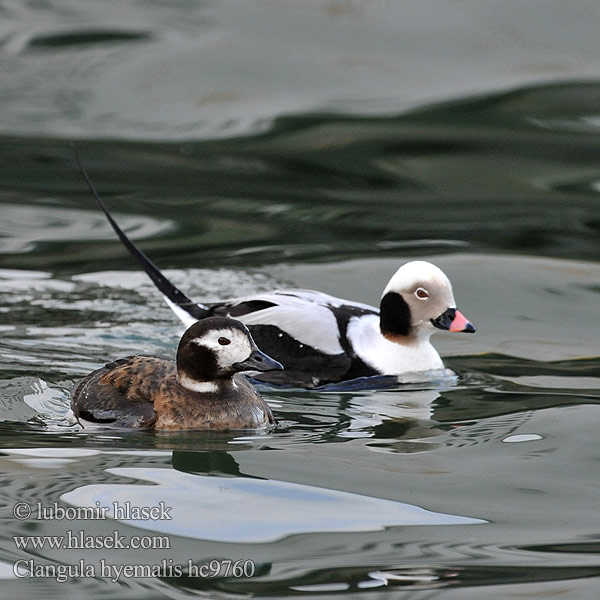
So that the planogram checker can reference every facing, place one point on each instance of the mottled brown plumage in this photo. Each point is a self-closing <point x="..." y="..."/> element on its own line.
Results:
<point x="146" y="391"/>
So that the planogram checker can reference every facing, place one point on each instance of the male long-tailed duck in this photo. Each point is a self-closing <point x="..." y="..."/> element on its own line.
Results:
<point x="321" y="339"/>
<point x="203" y="389"/>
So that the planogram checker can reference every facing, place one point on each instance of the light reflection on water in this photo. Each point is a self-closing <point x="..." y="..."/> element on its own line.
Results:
<point x="354" y="463"/>
<point x="23" y="228"/>
<point x="208" y="507"/>
<point x="499" y="189"/>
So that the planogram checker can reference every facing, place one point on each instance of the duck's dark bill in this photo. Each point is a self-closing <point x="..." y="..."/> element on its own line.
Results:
<point x="453" y="320"/>
<point x="259" y="361"/>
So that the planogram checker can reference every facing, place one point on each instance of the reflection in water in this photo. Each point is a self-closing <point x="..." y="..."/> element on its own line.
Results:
<point x="368" y="412"/>
<point x="395" y="422"/>
<point x="24" y="228"/>
<point x="6" y="571"/>
<point x="209" y="462"/>
<point x="355" y="580"/>
<point x="493" y="177"/>
<point x="414" y="558"/>
<point x="334" y="186"/>
<point x="522" y="437"/>
<point x="243" y="510"/>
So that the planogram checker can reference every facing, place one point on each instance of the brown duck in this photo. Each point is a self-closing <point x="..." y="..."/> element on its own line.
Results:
<point x="203" y="389"/>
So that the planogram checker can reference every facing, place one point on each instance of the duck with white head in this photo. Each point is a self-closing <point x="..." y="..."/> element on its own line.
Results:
<point x="321" y="339"/>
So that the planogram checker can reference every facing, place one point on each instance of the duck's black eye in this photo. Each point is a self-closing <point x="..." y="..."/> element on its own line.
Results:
<point x="224" y="341"/>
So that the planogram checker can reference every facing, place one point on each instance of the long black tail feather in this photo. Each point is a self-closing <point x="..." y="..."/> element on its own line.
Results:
<point x="166" y="287"/>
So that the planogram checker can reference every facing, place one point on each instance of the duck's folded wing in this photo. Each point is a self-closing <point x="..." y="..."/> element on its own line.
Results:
<point x="311" y="318"/>
<point x="121" y="393"/>
<point x="305" y="330"/>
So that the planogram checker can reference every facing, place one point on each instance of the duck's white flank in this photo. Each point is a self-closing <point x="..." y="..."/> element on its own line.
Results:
<point x="389" y="357"/>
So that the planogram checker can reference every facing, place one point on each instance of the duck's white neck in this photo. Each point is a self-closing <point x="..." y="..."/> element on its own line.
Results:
<point x="406" y="355"/>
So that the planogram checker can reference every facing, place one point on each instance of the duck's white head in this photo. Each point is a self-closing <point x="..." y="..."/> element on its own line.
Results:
<point x="418" y="298"/>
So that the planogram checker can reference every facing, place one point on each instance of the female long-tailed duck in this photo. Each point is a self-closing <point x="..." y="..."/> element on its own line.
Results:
<point x="321" y="339"/>
<point x="201" y="390"/>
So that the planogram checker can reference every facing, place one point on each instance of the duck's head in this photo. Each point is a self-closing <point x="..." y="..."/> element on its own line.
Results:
<point x="418" y="298"/>
<point x="215" y="349"/>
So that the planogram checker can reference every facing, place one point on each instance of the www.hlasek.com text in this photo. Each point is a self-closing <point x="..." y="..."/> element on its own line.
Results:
<point x="79" y="540"/>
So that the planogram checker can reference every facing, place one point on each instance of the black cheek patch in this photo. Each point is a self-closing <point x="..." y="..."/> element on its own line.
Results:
<point x="394" y="315"/>
<point x="197" y="362"/>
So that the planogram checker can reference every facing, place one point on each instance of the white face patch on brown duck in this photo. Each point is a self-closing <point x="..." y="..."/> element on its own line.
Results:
<point x="230" y="346"/>
<point x="213" y="350"/>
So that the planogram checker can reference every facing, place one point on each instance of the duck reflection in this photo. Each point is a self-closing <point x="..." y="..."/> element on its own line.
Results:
<point x="395" y="422"/>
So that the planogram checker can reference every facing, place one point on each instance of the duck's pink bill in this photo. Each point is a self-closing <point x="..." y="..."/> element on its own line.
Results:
<point x="460" y="323"/>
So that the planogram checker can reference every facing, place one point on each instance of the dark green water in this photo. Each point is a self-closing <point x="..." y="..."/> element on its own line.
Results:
<point x="250" y="146"/>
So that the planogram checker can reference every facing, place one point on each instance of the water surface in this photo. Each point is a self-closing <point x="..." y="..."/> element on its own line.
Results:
<point x="321" y="146"/>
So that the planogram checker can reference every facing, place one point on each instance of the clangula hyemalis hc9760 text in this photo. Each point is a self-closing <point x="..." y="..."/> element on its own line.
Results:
<point x="203" y="389"/>
<point x="321" y="339"/>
